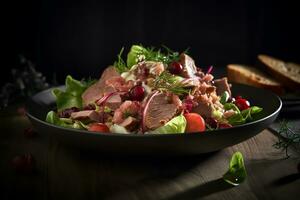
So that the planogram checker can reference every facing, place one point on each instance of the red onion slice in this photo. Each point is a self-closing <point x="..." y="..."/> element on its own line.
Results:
<point x="209" y="69"/>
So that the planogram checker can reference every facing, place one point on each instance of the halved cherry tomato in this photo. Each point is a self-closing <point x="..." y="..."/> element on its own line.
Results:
<point x="195" y="123"/>
<point x="99" y="127"/>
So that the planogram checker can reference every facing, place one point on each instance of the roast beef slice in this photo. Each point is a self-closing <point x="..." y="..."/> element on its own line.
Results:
<point x="189" y="67"/>
<point x="97" y="90"/>
<point x="222" y="86"/>
<point x="203" y="109"/>
<point x="159" y="112"/>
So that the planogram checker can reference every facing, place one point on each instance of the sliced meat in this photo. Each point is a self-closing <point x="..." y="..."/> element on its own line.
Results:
<point x="96" y="90"/>
<point x="114" y="102"/>
<point x="189" y="67"/>
<point x="129" y="123"/>
<point x="203" y="109"/>
<point x="160" y="111"/>
<point x="128" y="108"/>
<point x="86" y="114"/>
<point x="222" y="86"/>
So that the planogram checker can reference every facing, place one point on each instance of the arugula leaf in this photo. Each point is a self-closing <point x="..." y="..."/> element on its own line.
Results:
<point x="236" y="173"/>
<point x="224" y="97"/>
<point x="244" y="116"/>
<point x="175" y="125"/>
<point x="228" y="106"/>
<point x="71" y="97"/>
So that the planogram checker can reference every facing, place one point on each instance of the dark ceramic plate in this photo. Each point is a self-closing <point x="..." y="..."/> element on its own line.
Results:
<point x="171" y="144"/>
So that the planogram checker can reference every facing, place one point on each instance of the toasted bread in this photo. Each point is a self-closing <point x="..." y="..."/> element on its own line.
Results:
<point x="251" y="76"/>
<point x="287" y="73"/>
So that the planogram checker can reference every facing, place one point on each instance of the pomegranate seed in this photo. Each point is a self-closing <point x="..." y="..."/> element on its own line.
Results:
<point x="238" y="97"/>
<point x="242" y="104"/>
<point x="29" y="132"/>
<point x="175" y="68"/>
<point x="221" y="126"/>
<point x="23" y="163"/>
<point x="137" y="93"/>
<point x="212" y="122"/>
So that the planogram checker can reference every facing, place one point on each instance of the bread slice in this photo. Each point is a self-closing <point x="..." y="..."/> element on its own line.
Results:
<point x="287" y="73"/>
<point x="251" y="76"/>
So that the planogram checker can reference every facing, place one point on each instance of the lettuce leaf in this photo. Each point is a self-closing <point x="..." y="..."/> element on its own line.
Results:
<point x="71" y="97"/>
<point x="134" y="53"/>
<point x="53" y="118"/>
<point x="118" y="129"/>
<point x="175" y="125"/>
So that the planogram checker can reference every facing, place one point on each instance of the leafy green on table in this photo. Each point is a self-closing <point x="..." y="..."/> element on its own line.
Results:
<point x="236" y="173"/>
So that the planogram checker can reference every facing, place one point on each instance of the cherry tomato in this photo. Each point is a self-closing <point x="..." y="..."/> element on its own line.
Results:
<point x="195" y="123"/>
<point x="242" y="104"/>
<point x="99" y="127"/>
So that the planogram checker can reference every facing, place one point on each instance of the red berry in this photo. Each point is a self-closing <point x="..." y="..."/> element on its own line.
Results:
<point x="175" y="68"/>
<point x="137" y="93"/>
<point x="242" y="104"/>
<point x="211" y="122"/>
<point x="23" y="163"/>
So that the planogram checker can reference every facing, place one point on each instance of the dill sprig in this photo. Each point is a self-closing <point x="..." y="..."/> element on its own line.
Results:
<point x="168" y="82"/>
<point x="120" y="64"/>
<point x="286" y="137"/>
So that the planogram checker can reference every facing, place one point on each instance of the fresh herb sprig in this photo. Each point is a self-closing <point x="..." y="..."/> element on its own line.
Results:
<point x="290" y="137"/>
<point x="120" y="64"/>
<point x="168" y="82"/>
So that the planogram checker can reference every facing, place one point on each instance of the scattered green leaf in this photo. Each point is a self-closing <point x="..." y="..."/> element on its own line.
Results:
<point x="236" y="173"/>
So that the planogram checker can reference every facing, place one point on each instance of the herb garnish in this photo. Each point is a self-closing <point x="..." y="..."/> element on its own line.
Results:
<point x="120" y="64"/>
<point x="168" y="82"/>
<point x="286" y="137"/>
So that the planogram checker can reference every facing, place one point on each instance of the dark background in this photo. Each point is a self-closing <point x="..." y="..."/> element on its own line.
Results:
<point x="83" y="37"/>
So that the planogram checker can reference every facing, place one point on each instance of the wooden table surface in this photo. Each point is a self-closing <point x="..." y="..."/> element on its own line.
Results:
<point x="66" y="173"/>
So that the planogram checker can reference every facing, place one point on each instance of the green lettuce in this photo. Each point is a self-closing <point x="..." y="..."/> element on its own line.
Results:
<point x="134" y="53"/>
<point x="175" y="125"/>
<point x="71" y="97"/>
<point x="118" y="129"/>
<point x="53" y="118"/>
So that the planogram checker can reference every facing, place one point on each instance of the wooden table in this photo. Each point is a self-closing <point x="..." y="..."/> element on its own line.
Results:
<point x="66" y="173"/>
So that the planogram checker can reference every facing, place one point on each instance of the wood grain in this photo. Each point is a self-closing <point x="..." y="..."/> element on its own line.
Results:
<point x="66" y="173"/>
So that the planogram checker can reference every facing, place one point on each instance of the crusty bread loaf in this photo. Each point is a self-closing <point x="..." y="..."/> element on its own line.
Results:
<point x="251" y="76"/>
<point x="287" y="73"/>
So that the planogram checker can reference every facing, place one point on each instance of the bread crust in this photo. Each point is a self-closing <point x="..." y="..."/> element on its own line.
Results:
<point x="284" y="77"/>
<point x="249" y="76"/>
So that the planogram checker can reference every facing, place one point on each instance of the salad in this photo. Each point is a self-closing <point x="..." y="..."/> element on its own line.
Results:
<point x="153" y="92"/>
